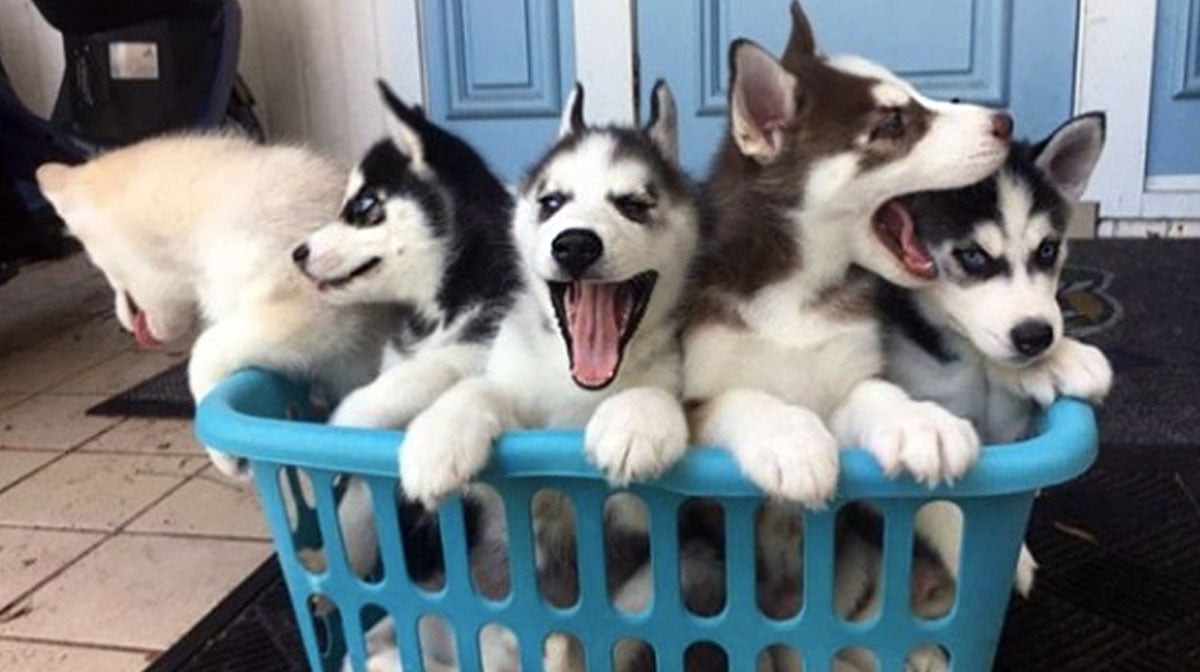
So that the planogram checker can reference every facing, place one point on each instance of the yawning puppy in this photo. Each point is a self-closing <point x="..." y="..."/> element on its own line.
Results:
<point x="605" y="228"/>
<point x="783" y="359"/>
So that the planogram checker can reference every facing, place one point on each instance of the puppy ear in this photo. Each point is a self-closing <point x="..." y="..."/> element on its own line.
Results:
<point x="572" y="118"/>
<point x="1069" y="155"/>
<point x="762" y="101"/>
<point x="403" y="124"/>
<point x="663" y="127"/>
<point x="801" y="42"/>
<point x="52" y="178"/>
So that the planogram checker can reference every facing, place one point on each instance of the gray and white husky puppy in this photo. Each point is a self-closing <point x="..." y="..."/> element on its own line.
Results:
<point x="985" y="340"/>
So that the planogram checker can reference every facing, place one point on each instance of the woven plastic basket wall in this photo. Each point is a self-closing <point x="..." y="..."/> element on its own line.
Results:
<point x="256" y="415"/>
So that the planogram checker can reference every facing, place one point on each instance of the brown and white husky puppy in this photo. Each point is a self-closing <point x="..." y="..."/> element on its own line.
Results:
<point x="783" y="353"/>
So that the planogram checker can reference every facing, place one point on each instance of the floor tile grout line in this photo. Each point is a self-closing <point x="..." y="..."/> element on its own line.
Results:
<point x="47" y="389"/>
<point x="79" y="645"/>
<point x="59" y="458"/>
<point x="108" y="535"/>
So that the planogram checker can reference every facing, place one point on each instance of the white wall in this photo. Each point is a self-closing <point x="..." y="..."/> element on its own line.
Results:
<point x="311" y="64"/>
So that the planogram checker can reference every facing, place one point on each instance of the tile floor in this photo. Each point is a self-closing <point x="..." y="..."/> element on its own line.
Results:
<point x="115" y="535"/>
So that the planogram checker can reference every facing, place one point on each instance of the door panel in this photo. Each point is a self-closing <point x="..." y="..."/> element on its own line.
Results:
<point x="1174" y="145"/>
<point x="1016" y="54"/>
<point x="498" y="72"/>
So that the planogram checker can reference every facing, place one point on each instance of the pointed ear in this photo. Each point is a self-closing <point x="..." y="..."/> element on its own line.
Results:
<point x="572" y="117"/>
<point x="663" y="127"/>
<point x="801" y="42"/>
<point x="403" y="125"/>
<point x="762" y="100"/>
<point x="1069" y="155"/>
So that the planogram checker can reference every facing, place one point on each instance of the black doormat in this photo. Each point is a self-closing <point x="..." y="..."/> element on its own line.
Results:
<point x="1119" y="589"/>
<point x="166" y="395"/>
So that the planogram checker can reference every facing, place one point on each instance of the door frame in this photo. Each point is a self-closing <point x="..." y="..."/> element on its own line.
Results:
<point x="1115" y="67"/>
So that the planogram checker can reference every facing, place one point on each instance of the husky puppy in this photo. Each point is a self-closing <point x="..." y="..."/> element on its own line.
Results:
<point x="783" y="359"/>
<point x="604" y="227"/>
<point x="203" y="225"/>
<point x="424" y="228"/>
<point x="986" y="339"/>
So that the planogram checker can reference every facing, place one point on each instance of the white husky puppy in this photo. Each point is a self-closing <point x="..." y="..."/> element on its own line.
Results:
<point x="203" y="225"/>
<point x="605" y="229"/>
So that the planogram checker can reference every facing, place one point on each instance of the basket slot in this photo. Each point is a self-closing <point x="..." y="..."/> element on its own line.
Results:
<point x="518" y="498"/>
<point x="387" y="529"/>
<point x="408" y="641"/>
<point x="664" y="560"/>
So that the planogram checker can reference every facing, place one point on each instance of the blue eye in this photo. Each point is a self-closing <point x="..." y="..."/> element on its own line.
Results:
<point x="974" y="260"/>
<point x="550" y="204"/>
<point x="1047" y="252"/>
<point x="364" y="209"/>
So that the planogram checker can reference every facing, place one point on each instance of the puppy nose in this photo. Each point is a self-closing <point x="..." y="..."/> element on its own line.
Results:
<point x="1032" y="337"/>
<point x="300" y="254"/>
<point x="576" y="250"/>
<point x="1002" y="126"/>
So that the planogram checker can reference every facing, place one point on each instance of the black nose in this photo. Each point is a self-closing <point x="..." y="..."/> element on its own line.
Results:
<point x="300" y="254"/>
<point x="1002" y="126"/>
<point x="1032" y="337"/>
<point x="576" y="250"/>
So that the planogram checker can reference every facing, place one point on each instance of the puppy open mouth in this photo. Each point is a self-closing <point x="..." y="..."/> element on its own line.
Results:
<point x="141" y="325"/>
<point x="893" y="226"/>
<point x="324" y="284"/>
<point x="597" y="320"/>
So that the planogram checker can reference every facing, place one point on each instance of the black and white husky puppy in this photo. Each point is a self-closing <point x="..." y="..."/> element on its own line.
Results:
<point x="985" y="340"/>
<point x="605" y="228"/>
<point x="423" y="229"/>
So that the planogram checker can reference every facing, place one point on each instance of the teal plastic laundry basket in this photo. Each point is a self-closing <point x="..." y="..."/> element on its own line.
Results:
<point x="259" y="416"/>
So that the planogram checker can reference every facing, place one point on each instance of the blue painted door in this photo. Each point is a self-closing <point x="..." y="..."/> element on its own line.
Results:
<point x="498" y="72"/>
<point x="1174" y="143"/>
<point x="1015" y="54"/>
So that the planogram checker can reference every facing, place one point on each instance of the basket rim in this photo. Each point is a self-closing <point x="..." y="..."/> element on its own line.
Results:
<point x="246" y="416"/>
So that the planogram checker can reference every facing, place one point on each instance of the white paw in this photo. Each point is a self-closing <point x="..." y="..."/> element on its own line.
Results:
<point x="1080" y="370"/>
<point x="444" y="448"/>
<point x="927" y="658"/>
<point x="1027" y="567"/>
<point x="925" y="440"/>
<point x="636" y="435"/>
<point x="360" y="408"/>
<point x="236" y="468"/>
<point x="789" y="454"/>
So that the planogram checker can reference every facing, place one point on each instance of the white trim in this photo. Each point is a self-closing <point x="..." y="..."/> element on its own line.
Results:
<point x="604" y="46"/>
<point x="1172" y="204"/>
<point x="1158" y="183"/>
<point x="1115" y="66"/>
<point x="401" y="47"/>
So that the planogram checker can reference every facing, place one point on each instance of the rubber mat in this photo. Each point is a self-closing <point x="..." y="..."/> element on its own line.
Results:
<point x="166" y="395"/>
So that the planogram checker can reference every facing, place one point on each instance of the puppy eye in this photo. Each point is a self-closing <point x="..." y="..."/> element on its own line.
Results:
<point x="891" y="126"/>
<point x="973" y="260"/>
<point x="550" y="204"/>
<point x="364" y="209"/>
<point x="633" y="208"/>
<point x="1047" y="253"/>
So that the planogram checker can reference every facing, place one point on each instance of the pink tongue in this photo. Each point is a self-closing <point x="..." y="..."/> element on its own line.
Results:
<point x="595" y="333"/>
<point x="141" y="332"/>
<point x="913" y="256"/>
